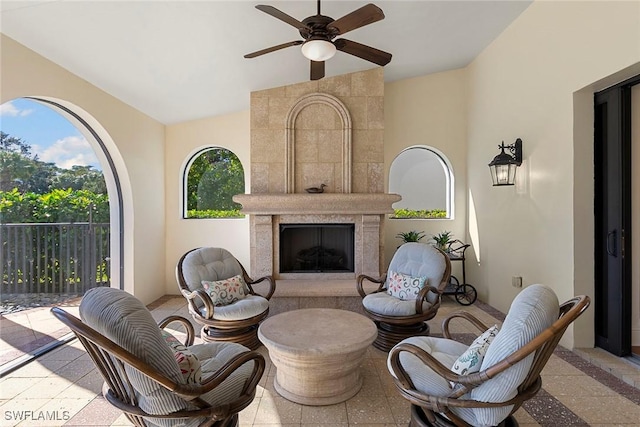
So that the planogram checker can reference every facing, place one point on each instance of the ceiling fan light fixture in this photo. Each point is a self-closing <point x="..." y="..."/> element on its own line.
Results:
<point x="318" y="49"/>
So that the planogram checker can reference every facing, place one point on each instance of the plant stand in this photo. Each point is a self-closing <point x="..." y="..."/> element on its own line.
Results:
<point x="464" y="293"/>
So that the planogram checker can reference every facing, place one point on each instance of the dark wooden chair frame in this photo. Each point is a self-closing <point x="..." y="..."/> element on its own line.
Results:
<point x="393" y="329"/>
<point x="110" y="359"/>
<point x="244" y="331"/>
<point x="427" y="410"/>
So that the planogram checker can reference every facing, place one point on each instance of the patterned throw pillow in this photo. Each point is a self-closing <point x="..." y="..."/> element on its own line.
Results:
<point x="227" y="291"/>
<point x="404" y="287"/>
<point x="471" y="360"/>
<point x="188" y="362"/>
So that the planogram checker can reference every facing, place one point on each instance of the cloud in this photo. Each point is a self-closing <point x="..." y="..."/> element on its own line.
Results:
<point x="67" y="152"/>
<point x="8" y="109"/>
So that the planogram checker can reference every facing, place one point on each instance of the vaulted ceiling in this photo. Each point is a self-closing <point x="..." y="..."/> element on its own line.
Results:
<point x="182" y="60"/>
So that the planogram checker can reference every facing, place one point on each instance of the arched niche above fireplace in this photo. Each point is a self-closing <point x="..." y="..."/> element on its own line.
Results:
<point x="334" y="104"/>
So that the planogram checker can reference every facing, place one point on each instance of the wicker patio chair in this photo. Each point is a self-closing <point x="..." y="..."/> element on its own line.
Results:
<point x="399" y="313"/>
<point x="151" y="376"/>
<point x="424" y="368"/>
<point x="224" y="320"/>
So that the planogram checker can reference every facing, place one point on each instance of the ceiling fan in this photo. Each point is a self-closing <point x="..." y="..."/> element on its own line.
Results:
<point x="318" y="32"/>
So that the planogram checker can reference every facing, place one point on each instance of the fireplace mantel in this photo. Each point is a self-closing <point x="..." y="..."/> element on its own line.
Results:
<point x="267" y="211"/>
<point x="323" y="203"/>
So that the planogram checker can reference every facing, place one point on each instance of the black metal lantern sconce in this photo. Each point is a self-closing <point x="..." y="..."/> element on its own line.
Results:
<point x="503" y="166"/>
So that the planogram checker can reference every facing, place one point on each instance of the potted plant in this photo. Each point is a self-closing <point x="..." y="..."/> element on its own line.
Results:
<point x="442" y="240"/>
<point x="410" y="236"/>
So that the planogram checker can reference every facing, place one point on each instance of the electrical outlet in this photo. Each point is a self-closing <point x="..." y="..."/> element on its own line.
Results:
<point x="516" y="281"/>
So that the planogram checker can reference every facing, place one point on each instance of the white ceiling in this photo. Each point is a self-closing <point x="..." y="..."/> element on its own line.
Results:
<point x="181" y="60"/>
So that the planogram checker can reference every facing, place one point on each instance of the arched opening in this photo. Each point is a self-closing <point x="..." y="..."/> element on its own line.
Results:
<point x="340" y="138"/>
<point x="423" y="176"/>
<point x="108" y="158"/>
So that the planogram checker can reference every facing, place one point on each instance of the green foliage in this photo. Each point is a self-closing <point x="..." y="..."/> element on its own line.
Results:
<point x="12" y="144"/>
<point x="214" y="178"/>
<point x="34" y="192"/>
<point x="55" y="206"/>
<point x="233" y="213"/>
<point x="410" y="236"/>
<point x="419" y="214"/>
<point x="442" y="240"/>
<point x="80" y="178"/>
<point x="24" y="172"/>
<point x="15" y="170"/>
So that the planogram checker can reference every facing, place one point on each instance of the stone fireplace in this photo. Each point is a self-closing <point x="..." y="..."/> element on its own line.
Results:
<point x="316" y="248"/>
<point x="328" y="132"/>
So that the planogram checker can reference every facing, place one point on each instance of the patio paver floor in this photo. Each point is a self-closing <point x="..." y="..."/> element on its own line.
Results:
<point x="585" y="387"/>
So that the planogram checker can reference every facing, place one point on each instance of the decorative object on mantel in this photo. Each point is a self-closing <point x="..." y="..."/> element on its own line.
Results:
<point x="503" y="166"/>
<point x="319" y="30"/>
<point x="316" y="190"/>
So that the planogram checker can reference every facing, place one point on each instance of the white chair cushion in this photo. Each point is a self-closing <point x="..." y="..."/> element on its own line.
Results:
<point x="187" y="361"/>
<point x="426" y="380"/>
<point x="419" y="260"/>
<point x="384" y="304"/>
<point x="127" y="322"/>
<point x="213" y="356"/>
<point x="246" y="308"/>
<point x="208" y="264"/>
<point x="532" y="311"/>
<point x="123" y="319"/>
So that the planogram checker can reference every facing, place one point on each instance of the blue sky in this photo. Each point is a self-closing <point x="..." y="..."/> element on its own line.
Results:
<point x="52" y="137"/>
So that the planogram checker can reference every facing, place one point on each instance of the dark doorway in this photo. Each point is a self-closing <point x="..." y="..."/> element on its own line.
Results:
<point x="314" y="248"/>
<point x="612" y="210"/>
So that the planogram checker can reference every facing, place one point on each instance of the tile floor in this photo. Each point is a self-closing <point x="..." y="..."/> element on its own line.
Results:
<point x="586" y="387"/>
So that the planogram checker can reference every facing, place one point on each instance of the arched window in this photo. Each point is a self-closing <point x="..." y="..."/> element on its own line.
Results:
<point x="212" y="177"/>
<point x="423" y="177"/>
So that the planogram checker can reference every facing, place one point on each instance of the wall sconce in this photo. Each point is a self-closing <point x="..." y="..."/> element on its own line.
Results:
<point x="503" y="166"/>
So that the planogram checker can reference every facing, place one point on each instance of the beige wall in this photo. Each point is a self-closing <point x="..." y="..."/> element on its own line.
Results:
<point x="527" y="84"/>
<point x="428" y="110"/>
<point x="319" y="132"/>
<point x="136" y="143"/>
<point x="182" y="142"/>
<point x="535" y="82"/>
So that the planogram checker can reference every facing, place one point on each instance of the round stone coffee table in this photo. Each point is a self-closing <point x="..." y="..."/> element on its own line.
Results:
<point x="317" y="353"/>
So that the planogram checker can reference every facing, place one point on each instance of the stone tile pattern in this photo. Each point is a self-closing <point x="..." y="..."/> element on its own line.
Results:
<point x="328" y="131"/>
<point x="318" y="130"/>
<point x="64" y="385"/>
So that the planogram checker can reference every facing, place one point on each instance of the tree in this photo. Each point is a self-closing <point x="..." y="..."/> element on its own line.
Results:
<point x="41" y="179"/>
<point x="16" y="165"/>
<point x="24" y="172"/>
<point x="214" y="178"/>
<point x="80" y="178"/>
<point x="16" y="145"/>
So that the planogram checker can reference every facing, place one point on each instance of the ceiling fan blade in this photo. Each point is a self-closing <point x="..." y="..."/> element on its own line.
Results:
<point x="273" y="49"/>
<point x="368" y="53"/>
<point x="276" y="13"/>
<point x="317" y="70"/>
<point x="366" y="15"/>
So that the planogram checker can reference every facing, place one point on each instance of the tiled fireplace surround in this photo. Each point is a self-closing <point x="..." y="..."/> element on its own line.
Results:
<point x="329" y="132"/>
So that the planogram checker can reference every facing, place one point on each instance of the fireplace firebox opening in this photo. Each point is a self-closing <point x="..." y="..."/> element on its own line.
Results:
<point x="316" y="248"/>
